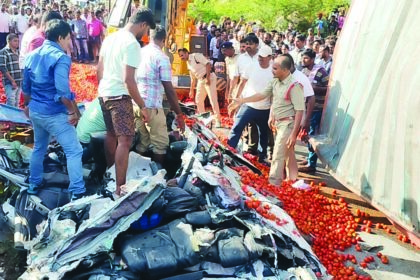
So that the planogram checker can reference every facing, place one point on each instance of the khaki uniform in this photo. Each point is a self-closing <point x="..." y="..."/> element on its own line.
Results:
<point x="197" y="65"/>
<point x="154" y="133"/>
<point x="283" y="108"/>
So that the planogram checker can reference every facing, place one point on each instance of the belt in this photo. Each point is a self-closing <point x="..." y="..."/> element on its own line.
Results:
<point x="285" y="119"/>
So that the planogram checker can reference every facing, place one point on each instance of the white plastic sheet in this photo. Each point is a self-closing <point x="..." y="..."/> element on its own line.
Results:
<point x="370" y="132"/>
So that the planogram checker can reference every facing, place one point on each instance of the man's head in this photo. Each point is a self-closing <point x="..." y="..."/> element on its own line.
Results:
<point x="204" y="31"/>
<point x="285" y="49"/>
<point x="331" y="45"/>
<point x="3" y="7"/>
<point x="213" y="28"/>
<point x="324" y="51"/>
<point x="183" y="54"/>
<point x="316" y="45"/>
<point x="292" y="65"/>
<point x="223" y="34"/>
<point x="47" y="16"/>
<point x="142" y="21"/>
<point x="267" y="38"/>
<point x="251" y="44"/>
<point x="265" y="54"/>
<point x="308" y="58"/>
<point x="78" y="14"/>
<point x="158" y="35"/>
<point x="12" y="41"/>
<point x="15" y="10"/>
<point x="227" y="49"/>
<point x="242" y="46"/>
<point x="300" y="41"/>
<point x="281" y="67"/>
<point x="28" y="11"/>
<point x="58" y="31"/>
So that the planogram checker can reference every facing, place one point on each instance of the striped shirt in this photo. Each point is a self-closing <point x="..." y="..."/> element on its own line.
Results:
<point x="9" y="62"/>
<point x="318" y="76"/>
<point x="154" y="69"/>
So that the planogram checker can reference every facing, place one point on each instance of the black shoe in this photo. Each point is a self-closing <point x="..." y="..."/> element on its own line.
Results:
<point x="263" y="161"/>
<point x="77" y="196"/>
<point x="252" y="152"/>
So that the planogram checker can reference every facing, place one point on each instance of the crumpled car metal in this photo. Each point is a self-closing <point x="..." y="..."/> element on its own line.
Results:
<point x="62" y="245"/>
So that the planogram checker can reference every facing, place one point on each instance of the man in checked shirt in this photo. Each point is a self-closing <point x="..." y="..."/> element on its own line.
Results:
<point x="9" y="67"/>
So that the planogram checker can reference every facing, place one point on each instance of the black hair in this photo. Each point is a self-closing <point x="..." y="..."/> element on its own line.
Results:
<point x="242" y="41"/>
<point x="292" y="62"/>
<point x="183" y="50"/>
<point x="11" y="36"/>
<point x="57" y="28"/>
<point x="326" y="48"/>
<point x="47" y="16"/>
<point x="158" y="33"/>
<point x="144" y="15"/>
<point x="310" y="53"/>
<point x="286" y="46"/>
<point x="287" y="62"/>
<point x="301" y="37"/>
<point x="251" y="39"/>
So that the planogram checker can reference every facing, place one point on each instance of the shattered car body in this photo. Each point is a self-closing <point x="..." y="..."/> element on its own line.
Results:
<point x="226" y="240"/>
<point x="196" y="226"/>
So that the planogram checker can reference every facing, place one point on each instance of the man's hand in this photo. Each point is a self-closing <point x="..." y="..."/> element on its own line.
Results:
<point x="14" y="85"/>
<point x="145" y="114"/>
<point x="271" y="123"/>
<point x="233" y="107"/>
<point x="180" y="122"/>
<point x="305" y="126"/>
<point x="191" y="93"/>
<point x="291" y="141"/>
<point x="73" y="118"/>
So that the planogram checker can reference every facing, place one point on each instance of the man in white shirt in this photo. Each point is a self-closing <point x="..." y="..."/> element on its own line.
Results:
<point x="20" y="23"/>
<point x="118" y="60"/>
<point x="27" y="38"/>
<point x="231" y="59"/>
<point x="5" y="23"/>
<point x="249" y="57"/>
<point x="214" y="50"/>
<point x="296" y="53"/>
<point x="254" y="80"/>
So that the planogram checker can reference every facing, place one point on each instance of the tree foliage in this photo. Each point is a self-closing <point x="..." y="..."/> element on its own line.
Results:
<point x="272" y="14"/>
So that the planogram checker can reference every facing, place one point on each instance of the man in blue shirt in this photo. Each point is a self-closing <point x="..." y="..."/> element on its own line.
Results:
<point x="51" y="106"/>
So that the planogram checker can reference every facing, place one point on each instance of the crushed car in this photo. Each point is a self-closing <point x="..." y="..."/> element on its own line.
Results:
<point x="192" y="224"/>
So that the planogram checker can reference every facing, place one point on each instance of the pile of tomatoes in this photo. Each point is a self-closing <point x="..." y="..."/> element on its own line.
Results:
<point x="83" y="82"/>
<point x="328" y="221"/>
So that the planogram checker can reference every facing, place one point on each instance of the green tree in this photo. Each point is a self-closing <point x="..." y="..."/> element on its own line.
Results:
<point x="271" y="14"/>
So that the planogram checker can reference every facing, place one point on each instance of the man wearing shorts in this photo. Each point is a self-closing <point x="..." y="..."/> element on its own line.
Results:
<point x="118" y="59"/>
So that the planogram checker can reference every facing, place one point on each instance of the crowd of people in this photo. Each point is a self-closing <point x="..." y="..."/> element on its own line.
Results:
<point x="22" y="28"/>
<point x="276" y="85"/>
